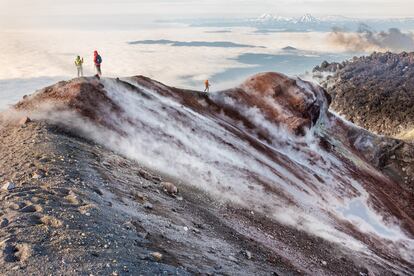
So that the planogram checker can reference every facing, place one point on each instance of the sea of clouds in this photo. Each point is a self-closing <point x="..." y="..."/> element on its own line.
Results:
<point x="32" y="59"/>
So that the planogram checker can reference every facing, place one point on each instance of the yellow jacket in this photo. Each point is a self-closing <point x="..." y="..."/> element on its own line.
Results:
<point x="78" y="62"/>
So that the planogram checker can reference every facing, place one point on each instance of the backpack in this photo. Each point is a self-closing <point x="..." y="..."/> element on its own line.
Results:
<point x="98" y="59"/>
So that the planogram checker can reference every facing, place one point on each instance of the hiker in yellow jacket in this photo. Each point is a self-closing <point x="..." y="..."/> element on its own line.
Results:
<point x="79" y="64"/>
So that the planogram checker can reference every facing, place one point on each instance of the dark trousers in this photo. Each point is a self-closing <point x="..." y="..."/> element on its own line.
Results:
<point x="98" y="69"/>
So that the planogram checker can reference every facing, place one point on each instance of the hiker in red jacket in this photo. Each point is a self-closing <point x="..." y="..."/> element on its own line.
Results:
<point x="97" y="60"/>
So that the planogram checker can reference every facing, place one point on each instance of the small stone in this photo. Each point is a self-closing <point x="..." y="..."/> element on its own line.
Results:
<point x="4" y="223"/>
<point x="195" y="230"/>
<point x="324" y="263"/>
<point x="169" y="188"/>
<point x="8" y="186"/>
<point x="140" y="196"/>
<point x="233" y="259"/>
<point x="44" y="159"/>
<point x="39" y="174"/>
<point x="185" y="228"/>
<point x="23" y="121"/>
<point x="148" y="205"/>
<point x="247" y="254"/>
<point x="157" y="256"/>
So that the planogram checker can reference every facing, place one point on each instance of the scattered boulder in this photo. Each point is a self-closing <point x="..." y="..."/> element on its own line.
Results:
<point x="169" y="188"/>
<point x="157" y="256"/>
<point x="247" y="254"/>
<point x="148" y="206"/>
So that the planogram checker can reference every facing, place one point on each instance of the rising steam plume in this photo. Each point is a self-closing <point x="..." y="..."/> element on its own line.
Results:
<point x="368" y="40"/>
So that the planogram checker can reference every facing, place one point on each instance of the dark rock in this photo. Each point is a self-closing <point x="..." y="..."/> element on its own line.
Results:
<point x="376" y="92"/>
<point x="4" y="222"/>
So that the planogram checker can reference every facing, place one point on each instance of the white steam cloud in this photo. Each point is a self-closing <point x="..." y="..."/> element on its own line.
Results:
<point x="367" y="40"/>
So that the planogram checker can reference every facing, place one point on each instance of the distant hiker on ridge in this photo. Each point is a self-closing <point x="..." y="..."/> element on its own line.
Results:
<point x="78" y="64"/>
<point x="97" y="60"/>
<point x="207" y="84"/>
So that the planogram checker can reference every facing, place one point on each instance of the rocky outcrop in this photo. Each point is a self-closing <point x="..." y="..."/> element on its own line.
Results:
<point x="375" y="92"/>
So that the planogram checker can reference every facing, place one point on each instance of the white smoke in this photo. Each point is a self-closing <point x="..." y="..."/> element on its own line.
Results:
<point x="367" y="40"/>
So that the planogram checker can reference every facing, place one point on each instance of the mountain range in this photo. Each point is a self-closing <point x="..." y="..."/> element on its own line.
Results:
<point x="308" y="22"/>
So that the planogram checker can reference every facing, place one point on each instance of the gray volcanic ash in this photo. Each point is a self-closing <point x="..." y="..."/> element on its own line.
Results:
<point x="269" y="146"/>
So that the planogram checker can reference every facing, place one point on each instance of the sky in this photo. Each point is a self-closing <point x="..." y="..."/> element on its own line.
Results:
<point x="20" y="10"/>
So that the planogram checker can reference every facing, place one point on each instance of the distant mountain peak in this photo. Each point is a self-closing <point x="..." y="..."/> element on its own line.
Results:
<point x="265" y="16"/>
<point x="268" y="17"/>
<point x="305" y="19"/>
<point x="308" y="18"/>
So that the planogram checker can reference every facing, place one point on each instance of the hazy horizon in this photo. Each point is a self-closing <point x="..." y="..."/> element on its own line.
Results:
<point x="40" y="39"/>
<point x="31" y="13"/>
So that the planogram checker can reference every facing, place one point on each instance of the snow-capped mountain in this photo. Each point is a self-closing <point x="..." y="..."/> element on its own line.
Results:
<point x="308" y="18"/>
<point x="308" y="22"/>
<point x="267" y="17"/>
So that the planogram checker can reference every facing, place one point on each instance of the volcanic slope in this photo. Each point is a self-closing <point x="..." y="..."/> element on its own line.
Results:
<point x="268" y="179"/>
